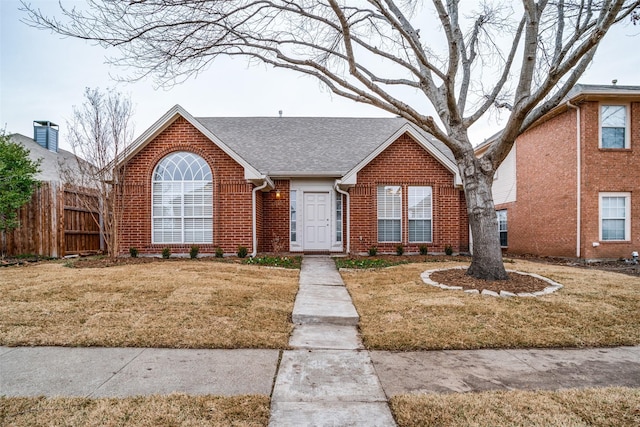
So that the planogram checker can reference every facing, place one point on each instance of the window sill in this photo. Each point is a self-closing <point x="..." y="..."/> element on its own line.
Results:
<point x="614" y="242"/>
<point x="615" y="150"/>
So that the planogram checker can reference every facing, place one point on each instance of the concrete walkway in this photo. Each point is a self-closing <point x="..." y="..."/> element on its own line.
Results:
<point x="328" y="380"/>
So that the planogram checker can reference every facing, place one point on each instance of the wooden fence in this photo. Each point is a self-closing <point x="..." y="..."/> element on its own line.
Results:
<point x="58" y="221"/>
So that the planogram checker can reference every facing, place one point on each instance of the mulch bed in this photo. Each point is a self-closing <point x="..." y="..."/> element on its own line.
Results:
<point x="517" y="282"/>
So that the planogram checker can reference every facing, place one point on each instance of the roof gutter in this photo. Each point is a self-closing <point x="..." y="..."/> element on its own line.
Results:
<point x="254" y="225"/>
<point x="578" y="178"/>
<point x="348" y="225"/>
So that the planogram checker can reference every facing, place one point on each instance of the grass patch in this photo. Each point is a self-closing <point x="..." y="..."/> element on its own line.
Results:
<point x="175" y="304"/>
<point x="363" y="263"/>
<point x="399" y="312"/>
<point x="276" y="261"/>
<point x="172" y="410"/>
<point x="613" y="406"/>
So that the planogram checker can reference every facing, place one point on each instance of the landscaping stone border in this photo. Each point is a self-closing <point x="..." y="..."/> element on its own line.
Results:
<point x="553" y="286"/>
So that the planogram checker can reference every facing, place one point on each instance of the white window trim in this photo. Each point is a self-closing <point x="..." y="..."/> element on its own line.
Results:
<point x="627" y="121"/>
<point x="394" y="219"/>
<point x="420" y="219"/>
<point x="182" y="215"/>
<point x="506" y="223"/>
<point x="627" y="222"/>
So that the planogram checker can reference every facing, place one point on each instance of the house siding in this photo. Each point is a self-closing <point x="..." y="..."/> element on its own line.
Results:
<point x="406" y="163"/>
<point x="608" y="171"/>
<point x="275" y="222"/>
<point x="543" y="219"/>
<point x="232" y="206"/>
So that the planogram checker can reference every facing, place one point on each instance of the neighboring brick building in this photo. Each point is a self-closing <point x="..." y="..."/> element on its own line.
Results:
<point x="290" y="184"/>
<point x="571" y="185"/>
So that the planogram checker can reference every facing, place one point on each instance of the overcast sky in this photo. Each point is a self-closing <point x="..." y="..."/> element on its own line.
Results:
<point x="42" y="76"/>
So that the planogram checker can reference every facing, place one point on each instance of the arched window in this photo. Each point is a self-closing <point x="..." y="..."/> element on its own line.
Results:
<point x="182" y="205"/>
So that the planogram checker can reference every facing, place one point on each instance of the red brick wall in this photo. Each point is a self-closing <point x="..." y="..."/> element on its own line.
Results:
<point x="608" y="171"/>
<point x="406" y="163"/>
<point x="231" y="193"/>
<point x="275" y="230"/>
<point x="543" y="220"/>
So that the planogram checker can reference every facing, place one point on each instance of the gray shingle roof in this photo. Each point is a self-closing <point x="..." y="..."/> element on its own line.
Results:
<point x="280" y="146"/>
<point x="50" y="162"/>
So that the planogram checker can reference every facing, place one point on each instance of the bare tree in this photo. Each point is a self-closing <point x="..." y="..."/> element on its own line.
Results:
<point x="465" y="60"/>
<point x="99" y="132"/>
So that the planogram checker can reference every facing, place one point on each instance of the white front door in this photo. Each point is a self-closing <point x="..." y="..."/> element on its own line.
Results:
<point x="317" y="221"/>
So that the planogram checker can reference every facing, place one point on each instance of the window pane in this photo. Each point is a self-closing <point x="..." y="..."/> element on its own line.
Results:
<point x="182" y="197"/>
<point x="613" y="229"/>
<point x="614" y="212"/>
<point x="292" y="216"/>
<point x="419" y="203"/>
<point x="613" y="123"/>
<point x="419" y="230"/>
<point x="388" y="230"/>
<point x="613" y="137"/>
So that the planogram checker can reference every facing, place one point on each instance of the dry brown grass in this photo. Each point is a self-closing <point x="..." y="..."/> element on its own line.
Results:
<point x="399" y="312"/>
<point x="172" y="410"/>
<point x="612" y="406"/>
<point x="184" y="304"/>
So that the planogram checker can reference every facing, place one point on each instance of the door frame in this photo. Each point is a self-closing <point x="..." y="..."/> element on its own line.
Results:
<point x="302" y="186"/>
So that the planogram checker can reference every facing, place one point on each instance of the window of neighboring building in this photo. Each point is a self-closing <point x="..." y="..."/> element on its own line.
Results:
<point x="389" y="213"/>
<point x="182" y="200"/>
<point x="613" y="126"/>
<point x="338" y="217"/>
<point x="420" y="215"/>
<point x="502" y="226"/>
<point x="293" y="220"/>
<point x="615" y="216"/>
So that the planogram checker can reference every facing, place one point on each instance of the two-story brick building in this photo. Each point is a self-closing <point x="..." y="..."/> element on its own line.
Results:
<point x="571" y="185"/>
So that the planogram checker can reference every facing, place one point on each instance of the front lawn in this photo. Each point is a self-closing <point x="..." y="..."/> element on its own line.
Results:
<point x="613" y="406"/>
<point x="172" y="410"/>
<point x="176" y="304"/>
<point x="399" y="312"/>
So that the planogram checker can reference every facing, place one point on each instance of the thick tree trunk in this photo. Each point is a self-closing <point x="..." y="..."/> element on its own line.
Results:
<point x="477" y="177"/>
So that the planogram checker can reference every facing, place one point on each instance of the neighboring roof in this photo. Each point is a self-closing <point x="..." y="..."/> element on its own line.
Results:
<point x="51" y="162"/>
<point x="598" y="91"/>
<point x="580" y="92"/>
<point x="308" y="146"/>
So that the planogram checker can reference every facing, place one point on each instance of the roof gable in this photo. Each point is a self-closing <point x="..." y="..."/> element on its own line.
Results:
<point x="171" y="116"/>
<point x="424" y="140"/>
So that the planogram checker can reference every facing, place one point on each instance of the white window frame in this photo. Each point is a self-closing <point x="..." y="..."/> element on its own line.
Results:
<point x="499" y="212"/>
<point x="181" y="216"/>
<point x="429" y="216"/>
<point x="627" y="130"/>
<point x="293" y="216"/>
<point x="388" y="218"/>
<point x="339" y="215"/>
<point x="627" y="218"/>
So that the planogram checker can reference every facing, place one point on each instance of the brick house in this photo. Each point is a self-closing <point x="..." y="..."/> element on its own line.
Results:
<point x="331" y="185"/>
<point x="571" y="185"/>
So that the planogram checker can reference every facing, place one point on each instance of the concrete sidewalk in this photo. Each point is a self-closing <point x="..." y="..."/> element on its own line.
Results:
<point x="121" y="372"/>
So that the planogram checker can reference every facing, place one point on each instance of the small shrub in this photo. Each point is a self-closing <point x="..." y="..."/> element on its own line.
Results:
<point x="133" y="252"/>
<point x="448" y="250"/>
<point x="242" y="252"/>
<point x="193" y="253"/>
<point x="423" y="249"/>
<point x="373" y="251"/>
<point x="219" y="252"/>
<point x="166" y="253"/>
<point x="399" y="250"/>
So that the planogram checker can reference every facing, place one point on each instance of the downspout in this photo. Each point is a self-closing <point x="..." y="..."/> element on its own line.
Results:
<point x="254" y="220"/>
<point x="578" y="178"/>
<point x="348" y="225"/>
